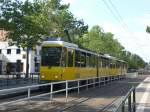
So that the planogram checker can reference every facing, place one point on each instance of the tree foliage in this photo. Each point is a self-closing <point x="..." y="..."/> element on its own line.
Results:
<point x="24" y="20"/>
<point x="148" y="29"/>
<point x="28" y="22"/>
<point x="99" y="41"/>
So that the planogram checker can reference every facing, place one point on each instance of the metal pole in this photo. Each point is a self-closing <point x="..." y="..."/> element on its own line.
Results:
<point x="129" y="103"/>
<point x="29" y="92"/>
<point x="104" y="80"/>
<point x="134" y="100"/>
<point x="51" y="95"/>
<point x="78" y="87"/>
<point x="66" y="90"/>
<point x="99" y="81"/>
<point x="123" y="108"/>
<point x="93" y="82"/>
<point x="87" y="85"/>
<point x="32" y="77"/>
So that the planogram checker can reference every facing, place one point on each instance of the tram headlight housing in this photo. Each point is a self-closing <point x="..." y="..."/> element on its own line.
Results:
<point x="56" y="76"/>
<point x="43" y="76"/>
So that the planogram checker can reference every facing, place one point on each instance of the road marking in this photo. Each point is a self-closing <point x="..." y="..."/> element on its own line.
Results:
<point x="141" y="84"/>
<point x="144" y="98"/>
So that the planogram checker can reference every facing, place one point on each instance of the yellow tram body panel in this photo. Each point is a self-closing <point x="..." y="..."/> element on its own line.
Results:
<point x="109" y="72"/>
<point x="66" y="73"/>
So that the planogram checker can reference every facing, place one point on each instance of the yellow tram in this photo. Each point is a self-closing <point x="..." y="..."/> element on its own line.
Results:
<point x="61" y="60"/>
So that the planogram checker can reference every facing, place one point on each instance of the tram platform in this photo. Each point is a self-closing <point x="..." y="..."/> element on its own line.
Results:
<point x="143" y="96"/>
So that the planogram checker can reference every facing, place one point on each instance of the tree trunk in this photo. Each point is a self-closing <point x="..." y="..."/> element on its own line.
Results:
<point x="27" y="63"/>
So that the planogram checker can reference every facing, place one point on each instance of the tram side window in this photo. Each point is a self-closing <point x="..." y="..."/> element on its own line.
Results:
<point x="125" y="66"/>
<point x="77" y="58"/>
<point x="112" y="65"/>
<point x="87" y="60"/>
<point x="118" y="66"/>
<point x="83" y="59"/>
<point x="63" y="57"/>
<point x="103" y="62"/>
<point x="70" y="57"/>
<point x="107" y="63"/>
<point x="92" y="61"/>
<point x="115" y="65"/>
<point x="100" y="61"/>
<point x="121" y="65"/>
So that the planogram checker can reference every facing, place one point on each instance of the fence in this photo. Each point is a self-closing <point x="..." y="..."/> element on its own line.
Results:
<point x="128" y="104"/>
<point x="78" y="84"/>
<point x="14" y="79"/>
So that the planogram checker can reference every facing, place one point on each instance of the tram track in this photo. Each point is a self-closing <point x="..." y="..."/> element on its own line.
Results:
<point x="19" y="94"/>
<point x="110" y="94"/>
<point x="79" y="101"/>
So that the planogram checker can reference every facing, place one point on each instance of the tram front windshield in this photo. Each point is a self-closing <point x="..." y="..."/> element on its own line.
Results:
<point x="51" y="56"/>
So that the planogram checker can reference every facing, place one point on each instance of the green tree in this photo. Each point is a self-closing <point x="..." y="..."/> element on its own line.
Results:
<point x="63" y="22"/>
<point x="29" y="22"/>
<point x="101" y="42"/>
<point x="148" y="29"/>
<point x="25" y="22"/>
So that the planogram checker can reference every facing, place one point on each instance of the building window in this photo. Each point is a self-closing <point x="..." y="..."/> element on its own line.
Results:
<point x="0" y="51"/>
<point x="8" y="51"/>
<point x="18" y="51"/>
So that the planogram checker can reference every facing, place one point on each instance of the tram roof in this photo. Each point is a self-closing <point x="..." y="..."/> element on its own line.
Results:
<point x="74" y="46"/>
<point x="60" y="43"/>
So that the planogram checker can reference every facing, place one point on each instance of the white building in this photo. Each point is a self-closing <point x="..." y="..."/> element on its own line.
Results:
<point x="10" y="54"/>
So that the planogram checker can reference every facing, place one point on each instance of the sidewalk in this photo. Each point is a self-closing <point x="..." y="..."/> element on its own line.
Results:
<point x="143" y="96"/>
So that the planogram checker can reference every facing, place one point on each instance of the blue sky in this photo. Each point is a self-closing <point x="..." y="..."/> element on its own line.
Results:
<point x="135" y="15"/>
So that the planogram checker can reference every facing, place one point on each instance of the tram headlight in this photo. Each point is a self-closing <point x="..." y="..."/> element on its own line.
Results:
<point x="56" y="76"/>
<point x="43" y="76"/>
